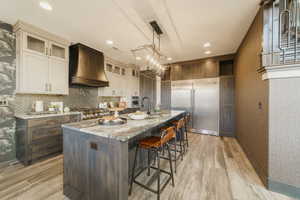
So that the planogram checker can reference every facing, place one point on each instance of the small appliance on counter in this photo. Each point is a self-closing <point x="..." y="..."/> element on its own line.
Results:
<point x="135" y="101"/>
<point x="39" y="106"/>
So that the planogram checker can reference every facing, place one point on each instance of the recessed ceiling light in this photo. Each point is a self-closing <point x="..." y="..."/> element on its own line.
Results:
<point x="45" y="5"/>
<point x="138" y="58"/>
<point x="207" y="44"/>
<point x="169" y="58"/>
<point x="207" y="52"/>
<point x="109" y="42"/>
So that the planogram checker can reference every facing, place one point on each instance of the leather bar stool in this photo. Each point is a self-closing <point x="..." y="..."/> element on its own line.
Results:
<point x="187" y="119"/>
<point x="156" y="144"/>
<point x="178" y="141"/>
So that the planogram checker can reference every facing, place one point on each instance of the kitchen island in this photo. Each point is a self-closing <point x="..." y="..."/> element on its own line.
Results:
<point x="98" y="159"/>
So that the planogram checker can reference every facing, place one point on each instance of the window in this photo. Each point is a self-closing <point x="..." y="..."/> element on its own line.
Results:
<point x="109" y="67"/>
<point x="123" y="72"/>
<point x="117" y="70"/>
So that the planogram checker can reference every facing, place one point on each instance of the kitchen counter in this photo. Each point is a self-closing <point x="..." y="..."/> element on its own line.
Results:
<point x="98" y="159"/>
<point x="26" y="116"/>
<point x="123" y="132"/>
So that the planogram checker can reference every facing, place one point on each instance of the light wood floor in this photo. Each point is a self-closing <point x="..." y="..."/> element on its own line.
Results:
<point x="213" y="169"/>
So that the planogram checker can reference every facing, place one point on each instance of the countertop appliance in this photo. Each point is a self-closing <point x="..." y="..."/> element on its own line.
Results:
<point x="39" y="106"/>
<point x="201" y="98"/>
<point x="86" y="67"/>
<point x="135" y="101"/>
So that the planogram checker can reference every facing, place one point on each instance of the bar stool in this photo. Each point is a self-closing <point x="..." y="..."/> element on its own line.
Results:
<point x="155" y="144"/>
<point x="179" y="124"/>
<point x="187" y="118"/>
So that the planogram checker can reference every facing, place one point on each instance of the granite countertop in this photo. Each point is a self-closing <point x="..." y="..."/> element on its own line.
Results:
<point x="25" y="116"/>
<point x="122" y="132"/>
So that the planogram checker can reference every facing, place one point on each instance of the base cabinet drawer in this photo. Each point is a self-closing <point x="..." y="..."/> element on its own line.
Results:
<point x="45" y="132"/>
<point x="40" y="138"/>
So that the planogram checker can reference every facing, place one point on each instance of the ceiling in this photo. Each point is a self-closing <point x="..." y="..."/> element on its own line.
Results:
<point x="187" y="25"/>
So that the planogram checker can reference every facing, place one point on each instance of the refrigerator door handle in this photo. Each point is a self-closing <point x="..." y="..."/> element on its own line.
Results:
<point x="192" y="105"/>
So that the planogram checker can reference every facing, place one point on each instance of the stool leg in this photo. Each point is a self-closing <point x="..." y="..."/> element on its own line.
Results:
<point x="183" y="139"/>
<point x="132" y="173"/>
<point x="158" y="174"/>
<point x="175" y="154"/>
<point x="186" y="135"/>
<point x="170" y="161"/>
<point x="180" y="144"/>
<point x="148" y="163"/>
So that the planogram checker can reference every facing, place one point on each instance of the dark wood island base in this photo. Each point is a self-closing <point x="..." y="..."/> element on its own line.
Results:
<point x="97" y="159"/>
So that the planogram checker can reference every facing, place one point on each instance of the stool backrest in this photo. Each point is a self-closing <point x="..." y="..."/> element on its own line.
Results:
<point x="187" y="118"/>
<point x="167" y="135"/>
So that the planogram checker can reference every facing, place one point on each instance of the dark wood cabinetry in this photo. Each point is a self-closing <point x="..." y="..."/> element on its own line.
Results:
<point x="227" y="106"/>
<point x="148" y="86"/>
<point x="40" y="137"/>
<point x="198" y="69"/>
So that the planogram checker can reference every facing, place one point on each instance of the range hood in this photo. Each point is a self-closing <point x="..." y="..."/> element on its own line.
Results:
<point x="86" y="67"/>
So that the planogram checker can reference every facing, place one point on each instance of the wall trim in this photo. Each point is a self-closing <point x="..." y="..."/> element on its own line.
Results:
<point x="283" y="188"/>
<point x="281" y="71"/>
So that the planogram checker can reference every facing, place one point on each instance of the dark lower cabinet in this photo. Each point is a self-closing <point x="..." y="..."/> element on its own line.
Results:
<point x="39" y="138"/>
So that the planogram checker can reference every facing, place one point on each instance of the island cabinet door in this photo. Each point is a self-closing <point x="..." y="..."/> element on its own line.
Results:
<point x="95" y="167"/>
<point x="108" y="169"/>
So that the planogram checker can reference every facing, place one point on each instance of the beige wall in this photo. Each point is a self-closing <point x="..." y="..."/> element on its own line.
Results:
<point x="251" y="91"/>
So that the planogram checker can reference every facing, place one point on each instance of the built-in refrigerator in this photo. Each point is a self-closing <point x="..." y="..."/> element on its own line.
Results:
<point x="201" y="98"/>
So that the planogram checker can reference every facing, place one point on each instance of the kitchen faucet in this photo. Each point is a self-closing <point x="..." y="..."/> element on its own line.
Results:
<point x="149" y="104"/>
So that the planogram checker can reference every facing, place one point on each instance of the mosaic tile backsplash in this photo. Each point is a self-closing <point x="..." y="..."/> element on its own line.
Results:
<point x="78" y="97"/>
<point x="7" y="90"/>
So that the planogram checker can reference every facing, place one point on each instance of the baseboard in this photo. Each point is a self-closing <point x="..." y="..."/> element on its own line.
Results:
<point x="283" y="188"/>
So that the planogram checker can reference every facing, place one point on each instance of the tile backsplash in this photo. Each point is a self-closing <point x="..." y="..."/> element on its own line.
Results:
<point x="78" y="97"/>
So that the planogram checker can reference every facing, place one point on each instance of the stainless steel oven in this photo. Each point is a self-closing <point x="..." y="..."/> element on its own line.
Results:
<point x="135" y="101"/>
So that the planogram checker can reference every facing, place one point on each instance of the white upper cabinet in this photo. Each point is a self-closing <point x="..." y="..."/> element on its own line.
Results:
<point x="34" y="79"/>
<point x="122" y="83"/>
<point x="42" y="61"/>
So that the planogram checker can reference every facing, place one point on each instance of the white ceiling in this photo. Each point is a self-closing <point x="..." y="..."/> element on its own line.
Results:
<point x="187" y="24"/>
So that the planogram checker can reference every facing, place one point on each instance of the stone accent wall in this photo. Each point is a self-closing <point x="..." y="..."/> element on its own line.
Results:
<point x="7" y="89"/>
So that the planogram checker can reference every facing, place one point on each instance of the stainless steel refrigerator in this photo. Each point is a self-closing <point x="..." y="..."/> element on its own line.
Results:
<point x="201" y="98"/>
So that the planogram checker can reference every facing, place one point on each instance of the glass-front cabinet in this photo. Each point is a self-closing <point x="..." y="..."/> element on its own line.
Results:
<point x="42" y="61"/>
<point x="58" y="51"/>
<point x="35" y="44"/>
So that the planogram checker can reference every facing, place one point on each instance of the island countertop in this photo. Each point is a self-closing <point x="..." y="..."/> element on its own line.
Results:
<point x="126" y="131"/>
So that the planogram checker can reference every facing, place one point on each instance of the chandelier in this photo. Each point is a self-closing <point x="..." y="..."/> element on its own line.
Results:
<point x="149" y="56"/>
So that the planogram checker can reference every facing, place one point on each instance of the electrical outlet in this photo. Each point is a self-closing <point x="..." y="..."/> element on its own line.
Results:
<point x="3" y="102"/>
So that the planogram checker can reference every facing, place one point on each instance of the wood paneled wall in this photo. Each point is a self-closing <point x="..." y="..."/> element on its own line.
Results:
<point x="148" y="88"/>
<point x="195" y="69"/>
<point x="252" y="99"/>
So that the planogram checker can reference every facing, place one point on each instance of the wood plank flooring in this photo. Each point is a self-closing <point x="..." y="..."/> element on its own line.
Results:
<point x="214" y="169"/>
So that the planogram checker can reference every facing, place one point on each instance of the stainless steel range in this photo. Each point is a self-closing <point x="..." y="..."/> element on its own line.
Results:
<point x="92" y="113"/>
